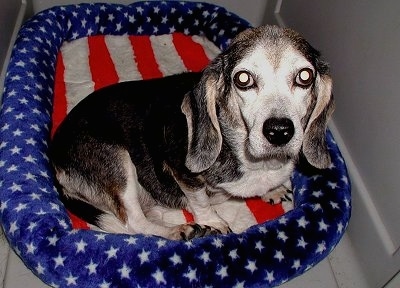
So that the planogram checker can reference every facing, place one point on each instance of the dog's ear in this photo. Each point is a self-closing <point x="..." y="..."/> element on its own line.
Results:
<point x="204" y="133"/>
<point x="314" y="145"/>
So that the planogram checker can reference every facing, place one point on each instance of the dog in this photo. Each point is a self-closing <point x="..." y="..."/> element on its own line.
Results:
<point x="236" y="129"/>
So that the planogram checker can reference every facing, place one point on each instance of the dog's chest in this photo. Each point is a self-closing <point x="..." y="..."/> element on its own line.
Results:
<point x="257" y="182"/>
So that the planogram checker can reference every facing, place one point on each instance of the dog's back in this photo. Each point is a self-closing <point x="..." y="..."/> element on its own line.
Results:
<point x="142" y="117"/>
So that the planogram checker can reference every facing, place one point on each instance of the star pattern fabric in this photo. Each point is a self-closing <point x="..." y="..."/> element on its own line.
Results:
<point x="38" y="227"/>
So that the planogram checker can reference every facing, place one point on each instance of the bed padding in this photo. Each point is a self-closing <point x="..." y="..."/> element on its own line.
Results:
<point x="39" y="228"/>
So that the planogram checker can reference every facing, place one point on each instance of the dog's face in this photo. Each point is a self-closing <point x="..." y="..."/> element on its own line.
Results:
<point x="269" y="94"/>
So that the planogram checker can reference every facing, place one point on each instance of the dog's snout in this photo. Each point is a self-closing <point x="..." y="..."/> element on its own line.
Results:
<point x="278" y="131"/>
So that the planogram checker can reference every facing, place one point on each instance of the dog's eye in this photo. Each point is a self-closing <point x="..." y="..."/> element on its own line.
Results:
<point x="305" y="77"/>
<point x="243" y="80"/>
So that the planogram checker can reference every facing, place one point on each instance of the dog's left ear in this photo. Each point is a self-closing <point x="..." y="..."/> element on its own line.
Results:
<point x="314" y="145"/>
<point x="204" y="133"/>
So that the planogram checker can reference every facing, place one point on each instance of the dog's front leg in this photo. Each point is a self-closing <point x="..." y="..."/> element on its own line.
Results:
<point x="204" y="214"/>
<point x="282" y="193"/>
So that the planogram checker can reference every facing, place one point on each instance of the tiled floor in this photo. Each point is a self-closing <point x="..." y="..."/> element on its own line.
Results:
<point x="338" y="271"/>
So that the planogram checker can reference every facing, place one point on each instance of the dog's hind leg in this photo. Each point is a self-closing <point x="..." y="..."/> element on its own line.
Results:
<point x="135" y="198"/>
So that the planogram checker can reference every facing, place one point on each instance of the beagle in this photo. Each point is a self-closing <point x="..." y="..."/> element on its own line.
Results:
<point x="237" y="129"/>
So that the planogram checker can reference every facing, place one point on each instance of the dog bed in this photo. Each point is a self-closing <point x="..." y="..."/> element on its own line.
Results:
<point x="64" y="53"/>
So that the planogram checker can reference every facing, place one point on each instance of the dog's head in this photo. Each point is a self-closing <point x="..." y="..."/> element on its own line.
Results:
<point x="269" y="94"/>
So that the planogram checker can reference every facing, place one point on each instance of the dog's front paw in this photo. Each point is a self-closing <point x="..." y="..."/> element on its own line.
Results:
<point x="193" y="230"/>
<point x="278" y="195"/>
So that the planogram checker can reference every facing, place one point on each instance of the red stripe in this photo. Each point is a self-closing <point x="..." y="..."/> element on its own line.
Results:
<point x="192" y="53"/>
<point x="264" y="211"/>
<point x="100" y="62"/>
<point x="144" y="57"/>
<point x="60" y="97"/>
<point x="188" y="216"/>
<point x="77" y="223"/>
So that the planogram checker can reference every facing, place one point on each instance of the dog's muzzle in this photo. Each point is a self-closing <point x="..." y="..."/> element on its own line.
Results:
<point x="278" y="131"/>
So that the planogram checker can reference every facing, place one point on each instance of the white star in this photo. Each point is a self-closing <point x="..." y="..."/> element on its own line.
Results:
<point x="119" y="26"/>
<point x="29" y="158"/>
<point x="32" y="226"/>
<point x="3" y="206"/>
<point x="17" y="132"/>
<point x="20" y="207"/>
<point x="176" y="259"/>
<point x="13" y="228"/>
<point x="283" y="220"/>
<point x="317" y="194"/>
<point x="53" y="240"/>
<point x="161" y="243"/>
<point x="191" y="274"/>
<point x="251" y="265"/>
<point x="125" y="271"/>
<point x="270" y="276"/>
<point x="144" y="256"/>
<point x="59" y="260"/>
<point x="20" y="63"/>
<point x="278" y="255"/>
<point x="30" y="176"/>
<point x="139" y="10"/>
<point x="282" y="236"/>
<point x="259" y="246"/>
<point x="30" y="248"/>
<point x="321" y="247"/>
<point x="35" y="196"/>
<point x="205" y="257"/>
<point x="111" y="17"/>
<point x="301" y="243"/>
<point x="15" y="150"/>
<point x="20" y="116"/>
<point x="15" y="187"/>
<point x="30" y="141"/>
<point x="233" y="254"/>
<point x="239" y="285"/>
<point x="131" y="240"/>
<point x="296" y="264"/>
<point x="217" y="243"/>
<point x="302" y="222"/>
<point x="40" y="269"/>
<point x="71" y="280"/>
<point x="323" y="226"/>
<point x="5" y="127"/>
<point x="91" y="267"/>
<point x="159" y="277"/>
<point x="316" y="207"/>
<point x="100" y="237"/>
<point x="340" y="227"/>
<point x="112" y="252"/>
<point x="80" y="246"/>
<point x="334" y="205"/>
<point x="223" y="272"/>
<point x="332" y="185"/>
<point x="105" y="284"/>
<point x="12" y="168"/>
<point x="54" y="206"/>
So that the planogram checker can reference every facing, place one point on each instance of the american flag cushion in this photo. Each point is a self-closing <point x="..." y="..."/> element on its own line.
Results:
<point x="90" y="63"/>
<point x="39" y="90"/>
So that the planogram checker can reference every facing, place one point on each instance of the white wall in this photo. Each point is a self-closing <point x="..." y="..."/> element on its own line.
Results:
<point x="361" y="41"/>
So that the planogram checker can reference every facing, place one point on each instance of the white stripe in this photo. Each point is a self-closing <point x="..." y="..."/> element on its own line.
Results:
<point x="209" y="47"/>
<point x="237" y="214"/>
<point x="167" y="57"/>
<point x="121" y="53"/>
<point x="77" y="75"/>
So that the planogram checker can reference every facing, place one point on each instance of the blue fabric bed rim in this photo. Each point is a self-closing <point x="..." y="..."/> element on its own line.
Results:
<point x="37" y="225"/>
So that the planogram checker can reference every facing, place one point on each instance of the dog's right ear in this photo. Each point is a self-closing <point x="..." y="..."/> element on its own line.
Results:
<point x="204" y="133"/>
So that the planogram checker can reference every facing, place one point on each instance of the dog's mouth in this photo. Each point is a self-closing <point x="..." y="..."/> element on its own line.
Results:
<point x="272" y="157"/>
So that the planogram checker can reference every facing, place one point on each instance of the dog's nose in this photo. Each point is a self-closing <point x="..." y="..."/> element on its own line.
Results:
<point x="278" y="131"/>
